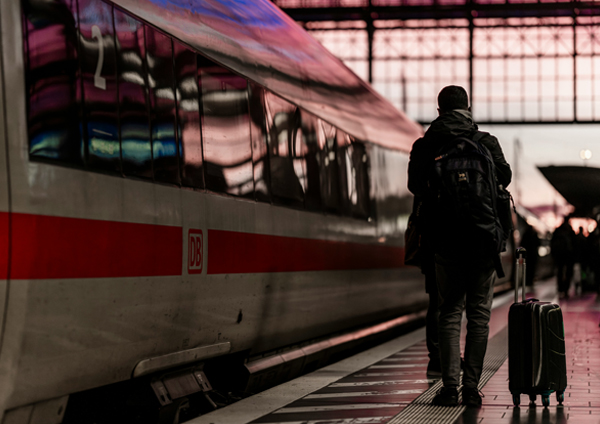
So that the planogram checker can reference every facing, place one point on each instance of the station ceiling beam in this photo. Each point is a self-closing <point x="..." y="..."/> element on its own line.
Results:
<point x="522" y="62"/>
<point x="458" y="11"/>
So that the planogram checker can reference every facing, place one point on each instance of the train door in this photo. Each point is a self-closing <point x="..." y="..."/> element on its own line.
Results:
<point x="4" y="202"/>
<point x="11" y="105"/>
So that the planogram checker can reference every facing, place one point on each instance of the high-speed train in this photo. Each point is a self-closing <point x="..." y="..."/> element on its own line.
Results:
<point x="184" y="182"/>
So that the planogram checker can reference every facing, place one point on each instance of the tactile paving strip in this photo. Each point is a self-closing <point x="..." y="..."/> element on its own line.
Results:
<point x="422" y="411"/>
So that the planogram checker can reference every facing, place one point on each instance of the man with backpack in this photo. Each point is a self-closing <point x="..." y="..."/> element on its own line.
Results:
<point x="460" y="173"/>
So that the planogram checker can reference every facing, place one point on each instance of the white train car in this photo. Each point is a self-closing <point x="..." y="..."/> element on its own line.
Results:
<point x="184" y="180"/>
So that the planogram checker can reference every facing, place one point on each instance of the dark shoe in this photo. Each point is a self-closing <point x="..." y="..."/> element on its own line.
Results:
<point x="446" y="396"/>
<point x="471" y="397"/>
<point x="434" y="369"/>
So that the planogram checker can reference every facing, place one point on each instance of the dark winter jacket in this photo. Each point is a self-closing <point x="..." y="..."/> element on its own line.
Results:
<point x="448" y="240"/>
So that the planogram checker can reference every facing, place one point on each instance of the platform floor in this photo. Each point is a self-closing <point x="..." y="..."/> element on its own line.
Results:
<point x="388" y="384"/>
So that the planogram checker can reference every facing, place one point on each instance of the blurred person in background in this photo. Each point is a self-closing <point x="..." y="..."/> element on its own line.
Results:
<point x="592" y="281"/>
<point x="531" y="242"/>
<point x="562" y="248"/>
<point x="581" y="260"/>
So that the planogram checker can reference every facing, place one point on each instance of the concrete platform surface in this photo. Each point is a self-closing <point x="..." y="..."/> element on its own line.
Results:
<point x="388" y="384"/>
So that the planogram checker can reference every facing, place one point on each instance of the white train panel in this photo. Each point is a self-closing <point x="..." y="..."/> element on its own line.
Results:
<point x="79" y="334"/>
<point x="103" y="275"/>
<point x="13" y="105"/>
<point x="4" y="207"/>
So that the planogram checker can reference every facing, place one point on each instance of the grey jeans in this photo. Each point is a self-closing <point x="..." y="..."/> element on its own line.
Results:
<point x="461" y="285"/>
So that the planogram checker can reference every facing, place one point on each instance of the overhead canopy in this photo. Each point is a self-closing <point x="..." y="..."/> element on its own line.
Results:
<point x="258" y="40"/>
<point x="579" y="185"/>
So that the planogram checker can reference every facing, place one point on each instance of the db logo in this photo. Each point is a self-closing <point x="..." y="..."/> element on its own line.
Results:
<point x="195" y="252"/>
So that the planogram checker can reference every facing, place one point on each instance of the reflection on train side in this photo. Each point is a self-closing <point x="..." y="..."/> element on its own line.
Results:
<point x="133" y="96"/>
<point x="159" y="58"/>
<point x="101" y="145"/>
<point x="108" y="93"/>
<point x="285" y="178"/>
<point x="188" y="116"/>
<point x="52" y="80"/>
<point x="226" y="129"/>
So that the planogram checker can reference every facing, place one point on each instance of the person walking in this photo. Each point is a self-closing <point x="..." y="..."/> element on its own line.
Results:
<point x="594" y="259"/>
<point x="417" y="252"/>
<point x="562" y="248"/>
<point x="581" y="260"/>
<point x="531" y="242"/>
<point x="434" y="367"/>
<point x="465" y="261"/>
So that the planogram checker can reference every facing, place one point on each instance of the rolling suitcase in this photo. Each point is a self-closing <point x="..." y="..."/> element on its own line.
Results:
<point x="536" y="345"/>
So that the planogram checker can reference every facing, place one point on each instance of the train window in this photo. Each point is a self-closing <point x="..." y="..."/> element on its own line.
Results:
<point x="361" y="165"/>
<point x="225" y="130"/>
<point x="354" y="175"/>
<point x="390" y="198"/>
<point x="133" y="96"/>
<point x="53" y="80"/>
<point x="330" y="174"/>
<point x="98" y="71"/>
<point x="126" y="97"/>
<point x="159" y="58"/>
<point x="188" y="116"/>
<point x="310" y="150"/>
<point x="282" y="124"/>
<point x="260" y="152"/>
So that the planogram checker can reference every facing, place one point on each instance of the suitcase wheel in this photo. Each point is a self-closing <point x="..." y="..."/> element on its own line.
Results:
<point x="532" y="398"/>
<point x="516" y="400"/>
<point x="560" y="397"/>
<point x="546" y="400"/>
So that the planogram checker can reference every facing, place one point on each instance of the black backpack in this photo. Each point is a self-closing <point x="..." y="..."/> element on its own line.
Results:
<point x="467" y="191"/>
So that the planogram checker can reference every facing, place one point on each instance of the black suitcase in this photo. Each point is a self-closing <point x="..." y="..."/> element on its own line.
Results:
<point x="536" y="345"/>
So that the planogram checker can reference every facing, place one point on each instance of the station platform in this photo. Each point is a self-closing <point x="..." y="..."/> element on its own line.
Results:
<point x="388" y="383"/>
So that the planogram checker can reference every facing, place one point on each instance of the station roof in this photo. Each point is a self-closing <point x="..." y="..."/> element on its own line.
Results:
<point x="579" y="185"/>
<point x="256" y="39"/>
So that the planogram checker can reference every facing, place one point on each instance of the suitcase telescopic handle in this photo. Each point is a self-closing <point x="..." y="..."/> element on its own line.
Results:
<point x="520" y="267"/>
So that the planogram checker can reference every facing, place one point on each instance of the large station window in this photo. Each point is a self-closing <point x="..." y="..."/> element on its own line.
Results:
<point x="225" y="130"/>
<point x="260" y="150"/>
<point x="165" y="155"/>
<point x="133" y="96"/>
<point x="282" y="120"/>
<point x="188" y="113"/>
<point x="99" y="75"/>
<point x="53" y="78"/>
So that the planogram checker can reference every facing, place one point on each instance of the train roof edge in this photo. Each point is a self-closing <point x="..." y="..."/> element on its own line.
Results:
<point x="256" y="39"/>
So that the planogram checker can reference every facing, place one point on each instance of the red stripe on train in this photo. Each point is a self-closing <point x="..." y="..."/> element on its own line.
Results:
<point x="232" y="253"/>
<point x="4" y="245"/>
<point x="58" y="247"/>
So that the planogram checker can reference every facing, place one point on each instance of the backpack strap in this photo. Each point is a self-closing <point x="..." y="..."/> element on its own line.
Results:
<point x="478" y="136"/>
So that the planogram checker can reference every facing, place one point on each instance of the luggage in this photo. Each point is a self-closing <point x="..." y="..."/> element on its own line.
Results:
<point x="536" y="345"/>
